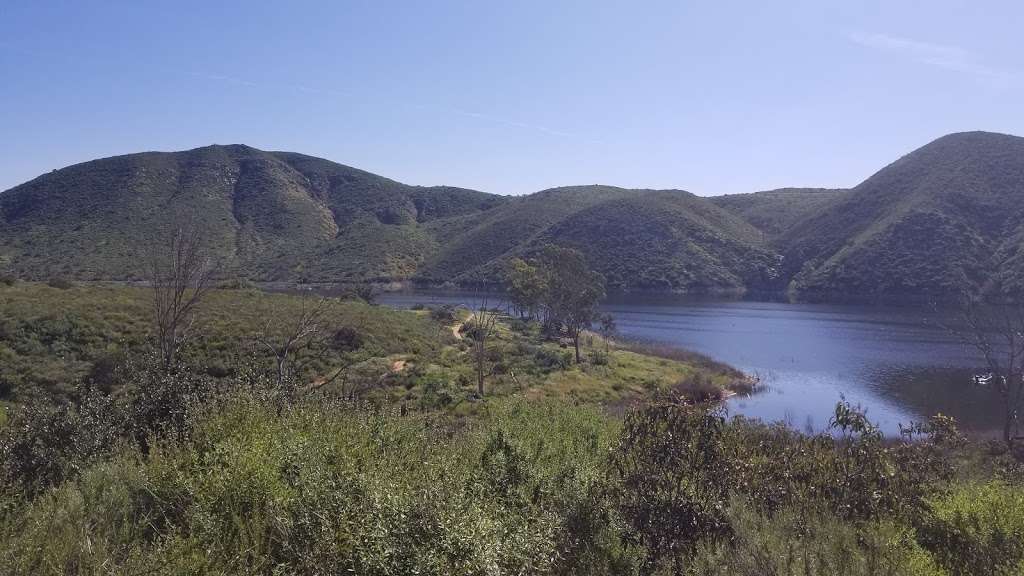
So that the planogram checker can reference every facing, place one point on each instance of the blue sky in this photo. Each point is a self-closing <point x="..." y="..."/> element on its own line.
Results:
<point x="514" y="97"/>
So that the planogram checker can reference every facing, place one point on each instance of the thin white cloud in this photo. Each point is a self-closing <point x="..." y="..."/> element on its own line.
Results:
<point x="468" y="113"/>
<point x="223" y="78"/>
<point x="948" y="57"/>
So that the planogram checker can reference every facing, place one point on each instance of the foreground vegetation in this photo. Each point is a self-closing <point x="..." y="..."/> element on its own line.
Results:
<point x="187" y="476"/>
<point x="298" y="435"/>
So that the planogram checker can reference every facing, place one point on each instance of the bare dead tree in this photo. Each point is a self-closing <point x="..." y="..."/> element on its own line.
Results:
<point x="180" y="275"/>
<point x="997" y="334"/>
<point x="484" y="322"/>
<point x="297" y="342"/>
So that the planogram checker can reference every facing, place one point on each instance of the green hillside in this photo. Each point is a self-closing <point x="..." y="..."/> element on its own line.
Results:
<point x="776" y="211"/>
<point x="267" y="215"/>
<point x="279" y="216"/>
<point x="665" y="240"/>
<point x="942" y="219"/>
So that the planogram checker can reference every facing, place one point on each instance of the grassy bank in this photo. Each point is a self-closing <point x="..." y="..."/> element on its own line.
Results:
<point x="53" y="339"/>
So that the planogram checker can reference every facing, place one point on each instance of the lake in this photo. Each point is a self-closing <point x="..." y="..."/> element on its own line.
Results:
<point x="898" y="363"/>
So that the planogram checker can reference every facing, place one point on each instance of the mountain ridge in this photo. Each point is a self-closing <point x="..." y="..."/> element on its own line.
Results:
<point x="939" y="220"/>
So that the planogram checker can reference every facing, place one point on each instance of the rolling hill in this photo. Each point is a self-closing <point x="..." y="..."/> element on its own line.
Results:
<point x="266" y="215"/>
<point x="656" y="240"/>
<point x="940" y="220"/>
<point x="776" y="211"/>
<point x="279" y="216"/>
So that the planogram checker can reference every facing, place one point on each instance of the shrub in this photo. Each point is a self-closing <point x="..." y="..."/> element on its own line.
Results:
<point x="45" y="445"/>
<point x="366" y="292"/>
<point x="446" y="314"/>
<point x="346" y="339"/>
<point x="698" y="388"/>
<point x="8" y="280"/>
<point x="60" y="283"/>
<point x="547" y="359"/>
<point x="811" y="543"/>
<point x="323" y="489"/>
<point x="977" y="529"/>
<point x="105" y="372"/>
<point x="671" y="480"/>
<point x="236" y="284"/>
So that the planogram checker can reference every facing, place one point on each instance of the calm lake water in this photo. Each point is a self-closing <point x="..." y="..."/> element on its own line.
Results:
<point x="897" y="363"/>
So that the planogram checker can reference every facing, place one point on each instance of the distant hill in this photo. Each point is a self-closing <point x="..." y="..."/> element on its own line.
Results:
<point x="279" y="216"/>
<point x="657" y="240"/>
<point x="942" y="219"/>
<point x="267" y="215"/>
<point x="776" y="211"/>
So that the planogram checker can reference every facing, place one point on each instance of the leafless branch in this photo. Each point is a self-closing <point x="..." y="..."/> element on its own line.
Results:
<point x="180" y="276"/>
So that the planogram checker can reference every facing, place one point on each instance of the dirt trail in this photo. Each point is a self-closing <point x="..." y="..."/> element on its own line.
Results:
<point x="457" y="327"/>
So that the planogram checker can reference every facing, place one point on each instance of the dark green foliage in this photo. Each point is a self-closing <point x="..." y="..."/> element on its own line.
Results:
<point x="548" y="359"/>
<point x="572" y="291"/>
<point x="60" y="283"/>
<point x="364" y="292"/>
<point x="444" y="314"/>
<point x="670" y="470"/>
<point x="107" y="371"/>
<point x="526" y="286"/>
<point x="346" y="339"/>
<point x="560" y="289"/>
<point x="46" y="444"/>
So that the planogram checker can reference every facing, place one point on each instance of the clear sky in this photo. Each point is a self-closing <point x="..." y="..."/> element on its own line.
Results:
<point x="513" y="97"/>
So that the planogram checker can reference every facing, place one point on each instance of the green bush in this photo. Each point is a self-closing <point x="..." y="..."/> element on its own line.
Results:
<point x="978" y="529"/>
<point x="60" y="283"/>
<point x="670" y="480"/>
<point x="444" y="314"/>
<point x="811" y="543"/>
<point x="330" y="489"/>
<point x="548" y="360"/>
